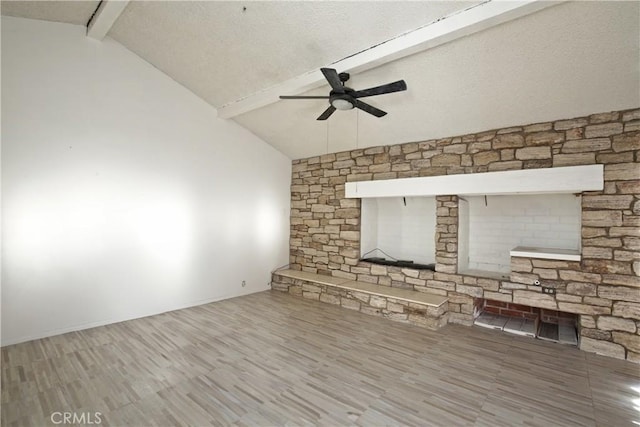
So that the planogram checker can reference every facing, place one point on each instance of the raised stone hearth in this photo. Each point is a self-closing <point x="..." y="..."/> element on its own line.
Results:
<point x="602" y="287"/>
<point x="400" y="305"/>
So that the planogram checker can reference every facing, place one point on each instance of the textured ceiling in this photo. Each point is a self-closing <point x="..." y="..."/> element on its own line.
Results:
<point x="568" y="60"/>
<point x="544" y="66"/>
<point x="223" y="52"/>
<point x="71" y="12"/>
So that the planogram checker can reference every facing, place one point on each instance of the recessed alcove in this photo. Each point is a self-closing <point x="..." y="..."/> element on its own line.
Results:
<point x="400" y="228"/>
<point x="491" y="226"/>
<point x="498" y="211"/>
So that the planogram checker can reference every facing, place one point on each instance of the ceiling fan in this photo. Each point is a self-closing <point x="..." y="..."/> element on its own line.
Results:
<point x="342" y="97"/>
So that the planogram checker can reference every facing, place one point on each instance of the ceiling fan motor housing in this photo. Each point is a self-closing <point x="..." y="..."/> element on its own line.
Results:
<point x="342" y="101"/>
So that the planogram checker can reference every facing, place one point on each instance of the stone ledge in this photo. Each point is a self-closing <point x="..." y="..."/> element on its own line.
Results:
<point x="368" y="288"/>
<point x="545" y="253"/>
<point x="312" y="277"/>
<point x="400" y="305"/>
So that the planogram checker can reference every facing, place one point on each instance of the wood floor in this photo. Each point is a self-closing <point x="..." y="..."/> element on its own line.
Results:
<point x="273" y="359"/>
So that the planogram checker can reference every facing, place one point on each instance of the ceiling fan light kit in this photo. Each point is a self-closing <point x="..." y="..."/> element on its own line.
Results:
<point x="344" y="98"/>
<point x="341" y="103"/>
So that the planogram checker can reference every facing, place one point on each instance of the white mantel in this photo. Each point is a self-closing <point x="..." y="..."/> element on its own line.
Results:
<point x="570" y="179"/>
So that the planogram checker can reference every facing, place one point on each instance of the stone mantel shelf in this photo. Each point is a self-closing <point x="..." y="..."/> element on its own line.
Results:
<point x="545" y="253"/>
<point x="570" y="179"/>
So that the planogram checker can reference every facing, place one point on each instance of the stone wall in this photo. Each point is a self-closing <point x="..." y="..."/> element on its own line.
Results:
<point x="603" y="288"/>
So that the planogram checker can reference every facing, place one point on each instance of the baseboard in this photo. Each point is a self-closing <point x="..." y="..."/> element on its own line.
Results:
<point x="75" y="328"/>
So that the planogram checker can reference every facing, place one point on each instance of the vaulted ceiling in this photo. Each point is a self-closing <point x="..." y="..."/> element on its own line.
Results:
<point x="551" y="61"/>
<point x="70" y="12"/>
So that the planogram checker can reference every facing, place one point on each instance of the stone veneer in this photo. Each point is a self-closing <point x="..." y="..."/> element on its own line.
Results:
<point x="603" y="288"/>
<point x="430" y="313"/>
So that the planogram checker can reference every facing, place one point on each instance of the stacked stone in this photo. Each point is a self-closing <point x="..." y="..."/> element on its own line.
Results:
<point x="423" y="315"/>
<point x="603" y="288"/>
<point x="447" y="234"/>
<point x="608" y="323"/>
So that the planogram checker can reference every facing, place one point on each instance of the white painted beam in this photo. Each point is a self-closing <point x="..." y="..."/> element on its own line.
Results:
<point x="460" y="24"/>
<point x="570" y="179"/>
<point x="104" y="18"/>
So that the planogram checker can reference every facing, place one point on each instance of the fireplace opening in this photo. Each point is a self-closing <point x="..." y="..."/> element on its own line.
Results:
<point x="399" y="231"/>
<point x="534" y="322"/>
<point x="398" y="263"/>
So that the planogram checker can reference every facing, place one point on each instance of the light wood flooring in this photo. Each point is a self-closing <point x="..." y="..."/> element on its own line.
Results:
<point x="270" y="359"/>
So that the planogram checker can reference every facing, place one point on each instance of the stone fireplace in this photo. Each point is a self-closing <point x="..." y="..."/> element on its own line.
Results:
<point x="601" y="287"/>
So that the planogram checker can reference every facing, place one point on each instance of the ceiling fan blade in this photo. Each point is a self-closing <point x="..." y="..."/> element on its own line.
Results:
<point x="334" y="80"/>
<point x="304" y="97"/>
<point x="398" y="86"/>
<point x="329" y="111"/>
<point x="369" y="108"/>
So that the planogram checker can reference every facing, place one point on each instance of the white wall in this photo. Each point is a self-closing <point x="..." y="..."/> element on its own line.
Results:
<point x="403" y="232"/>
<point x="548" y="221"/>
<point x="369" y="228"/>
<point x="123" y="194"/>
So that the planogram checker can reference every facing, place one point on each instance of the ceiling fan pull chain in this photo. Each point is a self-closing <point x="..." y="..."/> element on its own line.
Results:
<point x="327" y="137"/>
<point x="357" y="128"/>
